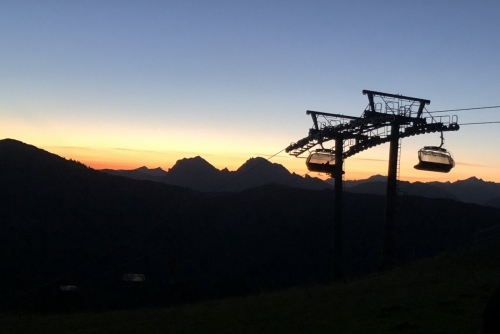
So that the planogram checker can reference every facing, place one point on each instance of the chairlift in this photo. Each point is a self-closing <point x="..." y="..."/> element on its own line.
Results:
<point x="321" y="161"/>
<point x="435" y="159"/>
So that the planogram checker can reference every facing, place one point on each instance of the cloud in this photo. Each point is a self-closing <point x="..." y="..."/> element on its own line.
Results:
<point x="472" y="165"/>
<point x="277" y="156"/>
<point x="136" y="150"/>
<point x="370" y="159"/>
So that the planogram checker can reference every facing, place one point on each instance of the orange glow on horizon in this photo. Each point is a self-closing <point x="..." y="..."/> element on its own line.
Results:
<point x="356" y="169"/>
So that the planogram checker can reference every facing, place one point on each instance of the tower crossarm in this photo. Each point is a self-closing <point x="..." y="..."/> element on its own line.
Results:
<point x="369" y="131"/>
<point x="326" y="126"/>
<point x="372" y="141"/>
<point x="374" y="126"/>
<point x="301" y="146"/>
<point x="332" y="126"/>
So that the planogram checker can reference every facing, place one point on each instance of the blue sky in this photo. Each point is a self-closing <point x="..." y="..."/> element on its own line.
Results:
<point x="132" y="83"/>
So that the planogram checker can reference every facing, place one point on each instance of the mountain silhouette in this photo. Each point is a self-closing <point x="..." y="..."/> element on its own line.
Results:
<point x="191" y="166"/>
<point x="141" y="173"/>
<point x="195" y="173"/>
<point x="152" y="172"/>
<point x="198" y="174"/>
<point x="378" y="186"/>
<point x="472" y="190"/>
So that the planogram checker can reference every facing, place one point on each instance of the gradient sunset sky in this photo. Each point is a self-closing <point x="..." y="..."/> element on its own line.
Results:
<point x="124" y="84"/>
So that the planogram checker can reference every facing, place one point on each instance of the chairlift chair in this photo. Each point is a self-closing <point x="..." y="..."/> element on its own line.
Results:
<point x="434" y="159"/>
<point x="321" y="161"/>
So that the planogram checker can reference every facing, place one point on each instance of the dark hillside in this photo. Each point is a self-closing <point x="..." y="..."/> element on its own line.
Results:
<point x="62" y="223"/>
<point x="445" y="294"/>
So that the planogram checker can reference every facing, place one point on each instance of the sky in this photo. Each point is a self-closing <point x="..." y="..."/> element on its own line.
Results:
<point x="125" y="84"/>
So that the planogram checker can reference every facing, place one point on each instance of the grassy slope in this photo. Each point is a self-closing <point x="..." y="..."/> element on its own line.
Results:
<point x="441" y="295"/>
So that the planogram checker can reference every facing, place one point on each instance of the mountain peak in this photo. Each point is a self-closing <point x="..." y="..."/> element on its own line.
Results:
<point x="193" y="164"/>
<point x="13" y="144"/>
<point x="473" y="179"/>
<point x="158" y="171"/>
<point x="377" y="177"/>
<point x="254" y="163"/>
<point x="15" y="153"/>
<point x="263" y="171"/>
<point x="11" y="141"/>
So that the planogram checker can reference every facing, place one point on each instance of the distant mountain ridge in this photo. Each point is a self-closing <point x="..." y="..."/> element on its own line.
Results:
<point x="198" y="174"/>
<point x="471" y="190"/>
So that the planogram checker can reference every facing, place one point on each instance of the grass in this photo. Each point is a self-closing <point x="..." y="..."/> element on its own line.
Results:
<point x="446" y="294"/>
